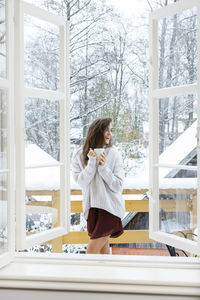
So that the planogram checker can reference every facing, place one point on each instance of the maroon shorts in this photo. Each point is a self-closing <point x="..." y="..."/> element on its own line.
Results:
<point x="102" y="223"/>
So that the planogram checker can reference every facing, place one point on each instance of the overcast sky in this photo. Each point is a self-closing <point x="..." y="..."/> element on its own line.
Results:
<point x="130" y="7"/>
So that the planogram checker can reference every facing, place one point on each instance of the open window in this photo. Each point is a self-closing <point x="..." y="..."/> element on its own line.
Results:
<point x="174" y="138"/>
<point x="7" y="232"/>
<point x="41" y="115"/>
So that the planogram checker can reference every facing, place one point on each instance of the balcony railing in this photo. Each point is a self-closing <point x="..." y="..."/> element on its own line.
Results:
<point x="186" y="203"/>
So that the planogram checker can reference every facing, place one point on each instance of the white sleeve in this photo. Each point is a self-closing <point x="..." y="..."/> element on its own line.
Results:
<point x="83" y="176"/>
<point x="113" y="179"/>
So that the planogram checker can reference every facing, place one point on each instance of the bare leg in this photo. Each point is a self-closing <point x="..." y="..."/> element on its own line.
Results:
<point x="95" y="245"/>
<point x="106" y="248"/>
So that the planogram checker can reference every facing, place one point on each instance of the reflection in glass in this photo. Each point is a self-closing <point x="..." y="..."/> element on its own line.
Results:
<point x="41" y="54"/>
<point x="3" y="213"/>
<point x="177" y="116"/>
<point x="178" y="49"/>
<point x="178" y="204"/>
<point x="42" y="119"/>
<point x="3" y="130"/>
<point x="2" y="40"/>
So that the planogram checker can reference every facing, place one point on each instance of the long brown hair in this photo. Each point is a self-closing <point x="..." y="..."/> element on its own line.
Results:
<point x="95" y="136"/>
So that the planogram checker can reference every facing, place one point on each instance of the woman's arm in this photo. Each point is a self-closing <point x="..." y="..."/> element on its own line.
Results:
<point x="85" y="176"/>
<point x="113" y="179"/>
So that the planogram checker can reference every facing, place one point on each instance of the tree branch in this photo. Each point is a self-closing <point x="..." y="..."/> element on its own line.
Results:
<point x="90" y="111"/>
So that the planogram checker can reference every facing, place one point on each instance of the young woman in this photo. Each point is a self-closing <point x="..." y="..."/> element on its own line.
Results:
<point x="101" y="180"/>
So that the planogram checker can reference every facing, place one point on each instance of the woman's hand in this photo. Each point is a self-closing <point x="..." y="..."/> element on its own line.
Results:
<point x="91" y="153"/>
<point x="102" y="159"/>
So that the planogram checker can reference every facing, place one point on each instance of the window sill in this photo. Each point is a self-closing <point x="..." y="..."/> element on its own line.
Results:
<point x="124" y="274"/>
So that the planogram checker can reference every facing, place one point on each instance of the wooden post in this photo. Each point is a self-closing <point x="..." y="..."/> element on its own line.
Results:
<point x="193" y="213"/>
<point x="56" y="243"/>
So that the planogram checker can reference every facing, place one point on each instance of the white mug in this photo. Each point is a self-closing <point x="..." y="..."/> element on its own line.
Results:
<point x="98" y="151"/>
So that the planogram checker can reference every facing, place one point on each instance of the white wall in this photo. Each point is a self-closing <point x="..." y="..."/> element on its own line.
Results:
<point x="19" y="294"/>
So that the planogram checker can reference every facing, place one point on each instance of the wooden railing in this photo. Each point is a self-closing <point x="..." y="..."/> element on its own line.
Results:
<point x="129" y="236"/>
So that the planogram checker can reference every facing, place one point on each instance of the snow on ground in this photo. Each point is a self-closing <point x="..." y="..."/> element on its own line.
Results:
<point x="174" y="226"/>
<point x="167" y="183"/>
<point x="48" y="178"/>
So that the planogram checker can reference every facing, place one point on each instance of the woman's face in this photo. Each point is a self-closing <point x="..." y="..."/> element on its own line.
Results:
<point x="108" y="134"/>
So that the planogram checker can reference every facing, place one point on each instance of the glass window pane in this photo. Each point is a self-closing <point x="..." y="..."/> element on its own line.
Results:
<point x="3" y="214"/>
<point x="177" y="127"/>
<point x="178" y="204"/>
<point x="178" y="49"/>
<point x="3" y="130"/>
<point x="52" y="6"/>
<point x="42" y="119"/>
<point x="42" y="123"/>
<point x="41" y="54"/>
<point x="2" y="39"/>
<point x="42" y="199"/>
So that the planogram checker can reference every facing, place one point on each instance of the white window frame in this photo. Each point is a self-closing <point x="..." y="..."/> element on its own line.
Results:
<point x="22" y="241"/>
<point x="131" y="275"/>
<point x="7" y="84"/>
<point x="155" y="94"/>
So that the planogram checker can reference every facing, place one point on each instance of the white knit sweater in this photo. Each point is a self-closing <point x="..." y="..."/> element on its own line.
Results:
<point x="101" y="185"/>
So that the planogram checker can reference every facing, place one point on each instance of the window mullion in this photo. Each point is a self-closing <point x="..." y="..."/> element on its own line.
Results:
<point x="174" y="91"/>
<point x="198" y="131"/>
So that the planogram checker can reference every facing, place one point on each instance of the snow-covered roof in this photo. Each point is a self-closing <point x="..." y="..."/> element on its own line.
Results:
<point x="49" y="178"/>
<point x="40" y="178"/>
<point x="35" y="155"/>
<point x="179" y="149"/>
